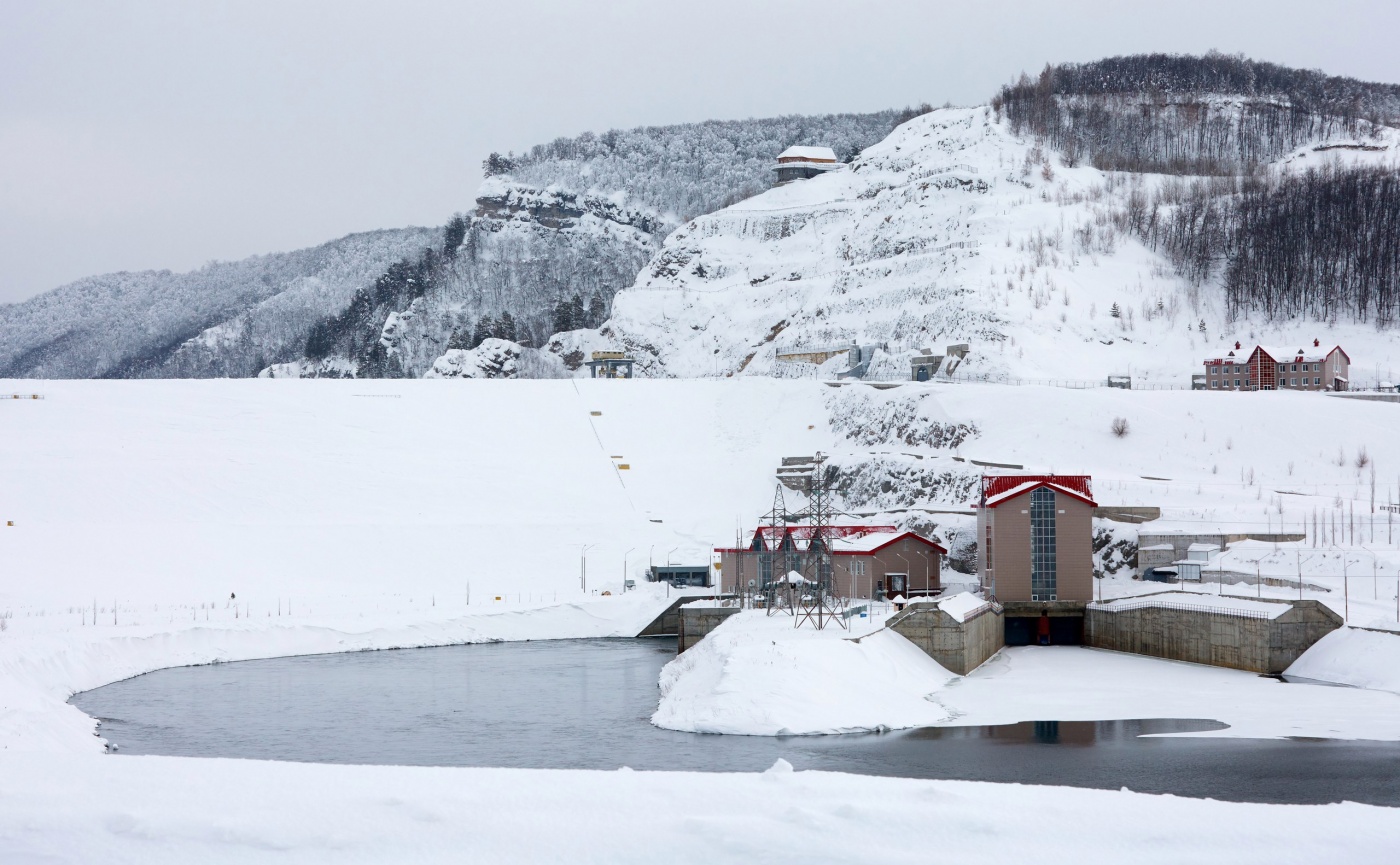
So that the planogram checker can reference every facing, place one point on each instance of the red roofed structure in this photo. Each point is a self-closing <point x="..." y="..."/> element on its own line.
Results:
<point x="866" y="561"/>
<point x="1035" y="535"/>
<point x="1279" y="368"/>
<point x="1000" y="488"/>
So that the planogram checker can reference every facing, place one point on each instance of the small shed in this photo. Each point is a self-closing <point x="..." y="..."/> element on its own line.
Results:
<point x="680" y="576"/>
<point x="610" y="364"/>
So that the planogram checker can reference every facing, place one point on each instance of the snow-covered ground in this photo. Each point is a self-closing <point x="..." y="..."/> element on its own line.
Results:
<point x="153" y="810"/>
<point x="757" y="675"/>
<point x="348" y="515"/>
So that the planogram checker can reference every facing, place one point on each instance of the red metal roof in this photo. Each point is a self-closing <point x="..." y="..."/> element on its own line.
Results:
<point x="1075" y="486"/>
<point x="802" y="534"/>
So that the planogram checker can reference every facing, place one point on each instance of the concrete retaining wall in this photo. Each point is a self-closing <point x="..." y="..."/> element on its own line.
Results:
<point x="960" y="647"/>
<point x="1222" y="639"/>
<point x="668" y="624"/>
<point x="697" y="621"/>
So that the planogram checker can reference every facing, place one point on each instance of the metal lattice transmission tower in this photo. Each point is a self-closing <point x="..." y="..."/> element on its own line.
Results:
<point x="773" y="585"/>
<point x="819" y="602"/>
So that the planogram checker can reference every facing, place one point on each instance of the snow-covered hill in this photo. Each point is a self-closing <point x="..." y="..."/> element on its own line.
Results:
<point x="225" y="319"/>
<point x="952" y="230"/>
<point x="557" y="232"/>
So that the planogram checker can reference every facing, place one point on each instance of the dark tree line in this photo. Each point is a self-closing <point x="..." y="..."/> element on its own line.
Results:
<point x="355" y="331"/>
<point x="1155" y="112"/>
<point x="571" y="314"/>
<point x="1324" y="244"/>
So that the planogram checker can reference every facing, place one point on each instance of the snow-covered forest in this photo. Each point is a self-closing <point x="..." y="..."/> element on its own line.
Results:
<point x="224" y="319"/>
<point x="557" y="232"/>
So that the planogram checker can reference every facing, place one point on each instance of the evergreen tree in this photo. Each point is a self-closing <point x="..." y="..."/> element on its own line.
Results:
<point x="577" y="314"/>
<point x="452" y="236"/>
<point x="597" y="310"/>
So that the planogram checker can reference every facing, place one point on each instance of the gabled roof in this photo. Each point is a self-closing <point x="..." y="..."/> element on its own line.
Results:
<point x="844" y="540"/>
<point x="1283" y="354"/>
<point x="872" y="543"/>
<point x="998" y="489"/>
<point x="1279" y="354"/>
<point x="814" y="153"/>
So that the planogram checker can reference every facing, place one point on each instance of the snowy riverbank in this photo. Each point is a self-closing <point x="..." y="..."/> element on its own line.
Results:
<point x="757" y="675"/>
<point x="41" y="669"/>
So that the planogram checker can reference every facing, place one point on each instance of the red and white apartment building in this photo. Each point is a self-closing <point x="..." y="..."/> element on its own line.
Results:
<point x="1274" y="368"/>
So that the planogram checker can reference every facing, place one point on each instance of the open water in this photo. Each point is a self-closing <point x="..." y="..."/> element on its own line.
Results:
<point x="585" y="704"/>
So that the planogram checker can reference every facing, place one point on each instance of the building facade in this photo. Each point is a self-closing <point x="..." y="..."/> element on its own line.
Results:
<point x="1274" y="368"/>
<point x="1035" y="535"/>
<point x="866" y="561"/>
<point x="610" y="364"/>
<point x="803" y="163"/>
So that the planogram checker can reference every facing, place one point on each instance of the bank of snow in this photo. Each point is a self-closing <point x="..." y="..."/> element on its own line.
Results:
<point x="40" y="670"/>
<point x="1353" y="656"/>
<point x="758" y="675"/>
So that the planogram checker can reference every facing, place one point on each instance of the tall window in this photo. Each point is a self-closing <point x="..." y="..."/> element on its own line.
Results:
<point x="1043" y="545"/>
<point x="988" y="556"/>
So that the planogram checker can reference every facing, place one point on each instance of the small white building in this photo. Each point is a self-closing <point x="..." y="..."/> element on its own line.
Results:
<point x="802" y="163"/>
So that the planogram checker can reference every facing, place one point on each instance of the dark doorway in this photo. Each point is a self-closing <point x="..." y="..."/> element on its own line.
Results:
<point x="1020" y="630"/>
<point x="1064" y="630"/>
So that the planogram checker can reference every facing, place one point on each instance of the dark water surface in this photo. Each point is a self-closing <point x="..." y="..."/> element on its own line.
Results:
<point x="585" y="704"/>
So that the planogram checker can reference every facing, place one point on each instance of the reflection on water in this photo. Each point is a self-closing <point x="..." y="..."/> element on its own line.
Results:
<point x="585" y="704"/>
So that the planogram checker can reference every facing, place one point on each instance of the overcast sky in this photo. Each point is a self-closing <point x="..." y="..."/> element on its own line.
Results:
<point x="140" y="135"/>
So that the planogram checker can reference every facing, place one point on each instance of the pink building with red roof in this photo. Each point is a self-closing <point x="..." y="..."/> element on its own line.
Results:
<point x="866" y="561"/>
<point x="1279" y="368"/>
<point x="1035" y="535"/>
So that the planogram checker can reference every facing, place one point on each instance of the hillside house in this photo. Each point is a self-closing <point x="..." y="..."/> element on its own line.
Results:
<point x="866" y="561"/>
<point x="1274" y="368"/>
<point x="1036" y="535"/>
<point x="803" y="163"/>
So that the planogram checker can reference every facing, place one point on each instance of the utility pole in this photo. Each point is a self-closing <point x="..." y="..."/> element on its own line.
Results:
<point x="624" y="568"/>
<point x="583" y="567"/>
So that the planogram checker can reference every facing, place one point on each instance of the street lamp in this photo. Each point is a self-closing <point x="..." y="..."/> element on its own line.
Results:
<point x="928" y="590"/>
<point x="583" y="566"/>
<point x="624" y="569"/>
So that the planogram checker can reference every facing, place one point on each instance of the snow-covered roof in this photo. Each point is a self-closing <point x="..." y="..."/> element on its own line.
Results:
<point x="1292" y="354"/>
<point x="817" y="154"/>
<point x="1280" y="354"/>
<point x="961" y="605"/>
<point x="1197" y="601"/>
<point x="1156" y="547"/>
<point x="998" y="489"/>
<point x="1202" y="548"/>
<point x="875" y="541"/>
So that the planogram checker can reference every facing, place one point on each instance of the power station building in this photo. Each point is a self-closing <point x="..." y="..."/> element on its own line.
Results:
<point x="1037" y="538"/>
<point x="866" y="561"/>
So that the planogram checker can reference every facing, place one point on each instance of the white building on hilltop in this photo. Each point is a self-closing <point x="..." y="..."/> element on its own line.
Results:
<point x="801" y="163"/>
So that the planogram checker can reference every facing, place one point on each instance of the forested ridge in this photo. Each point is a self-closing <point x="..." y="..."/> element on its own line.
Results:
<point x="1323" y="244"/>
<point x="1177" y="114"/>
<point x="559" y="230"/>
